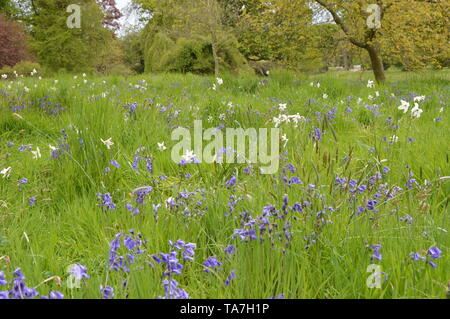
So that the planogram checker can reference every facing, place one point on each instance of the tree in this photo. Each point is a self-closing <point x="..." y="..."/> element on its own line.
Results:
<point x="352" y="18"/>
<point x="112" y="14"/>
<point x="59" y="47"/>
<point x="13" y="48"/>
<point x="189" y="36"/>
<point x="280" y="31"/>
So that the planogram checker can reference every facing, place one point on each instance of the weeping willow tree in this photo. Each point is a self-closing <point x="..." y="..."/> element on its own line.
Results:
<point x="190" y="36"/>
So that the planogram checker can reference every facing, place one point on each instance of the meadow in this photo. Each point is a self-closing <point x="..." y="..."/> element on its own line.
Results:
<point x="92" y="205"/>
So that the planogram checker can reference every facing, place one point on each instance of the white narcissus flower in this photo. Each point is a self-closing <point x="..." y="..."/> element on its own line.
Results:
<point x="4" y="76"/>
<point x="277" y="121"/>
<point x="416" y="111"/>
<point x="282" y="107"/>
<point x="6" y="172"/>
<point x="394" y="139"/>
<point x="36" y="153"/>
<point x="284" y="139"/>
<point x="188" y="156"/>
<point x="419" y="98"/>
<point x="404" y="106"/>
<point x="370" y="84"/>
<point x="107" y="142"/>
<point x="325" y="96"/>
<point x="219" y="81"/>
<point x="161" y="146"/>
<point x="169" y="202"/>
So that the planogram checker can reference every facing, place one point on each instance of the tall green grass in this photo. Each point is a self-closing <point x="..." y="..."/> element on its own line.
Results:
<point x="65" y="226"/>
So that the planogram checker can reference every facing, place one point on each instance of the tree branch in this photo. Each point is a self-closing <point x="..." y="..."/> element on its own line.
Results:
<point x="341" y="24"/>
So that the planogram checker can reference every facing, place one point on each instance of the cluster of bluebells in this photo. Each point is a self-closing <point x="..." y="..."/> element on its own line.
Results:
<point x="106" y="201"/>
<point x="138" y="157"/>
<point x="174" y="267"/>
<point x="139" y="194"/>
<point x="188" y="203"/>
<point x="432" y="254"/>
<point x="172" y="291"/>
<point x="376" y="252"/>
<point x="134" y="245"/>
<point x="17" y="289"/>
<point x="369" y="187"/>
<point x="211" y="264"/>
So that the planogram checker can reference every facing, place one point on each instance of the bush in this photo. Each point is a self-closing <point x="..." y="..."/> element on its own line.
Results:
<point x="24" y="68"/>
<point x="189" y="56"/>
<point x="13" y="47"/>
<point x="192" y="55"/>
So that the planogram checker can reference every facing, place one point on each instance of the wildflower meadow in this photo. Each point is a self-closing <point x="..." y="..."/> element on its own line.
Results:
<point x="93" y="205"/>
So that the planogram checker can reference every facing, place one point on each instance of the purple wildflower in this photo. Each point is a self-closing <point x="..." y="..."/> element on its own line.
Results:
<point x="211" y="264"/>
<point x="107" y="292"/>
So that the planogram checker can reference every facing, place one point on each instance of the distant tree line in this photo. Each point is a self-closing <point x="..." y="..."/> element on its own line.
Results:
<point x="236" y="36"/>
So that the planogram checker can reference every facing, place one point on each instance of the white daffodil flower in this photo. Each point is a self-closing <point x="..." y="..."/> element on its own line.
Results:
<point x="404" y="106"/>
<point x="188" y="156"/>
<point x="107" y="142"/>
<point x="6" y="172"/>
<point x="161" y="146"/>
<point x="36" y="153"/>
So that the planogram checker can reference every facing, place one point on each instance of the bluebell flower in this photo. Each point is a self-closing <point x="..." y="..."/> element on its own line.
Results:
<point x="231" y="182"/>
<point x="79" y="271"/>
<point x="172" y="291"/>
<point x="54" y="295"/>
<point x="115" y="164"/>
<point x="295" y="180"/>
<point x="106" y="201"/>
<point x="107" y="292"/>
<point x="230" y="278"/>
<point x="376" y="252"/>
<point x="434" y="252"/>
<point x="3" y="281"/>
<point x="230" y="249"/>
<point x="211" y="263"/>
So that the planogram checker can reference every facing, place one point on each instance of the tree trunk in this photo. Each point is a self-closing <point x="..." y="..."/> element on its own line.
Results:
<point x="377" y="64"/>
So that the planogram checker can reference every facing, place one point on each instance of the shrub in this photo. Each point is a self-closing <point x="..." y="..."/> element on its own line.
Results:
<point x="13" y="46"/>
<point x="24" y="68"/>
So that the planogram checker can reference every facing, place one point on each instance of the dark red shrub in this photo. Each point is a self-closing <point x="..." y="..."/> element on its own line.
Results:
<point x="13" y="47"/>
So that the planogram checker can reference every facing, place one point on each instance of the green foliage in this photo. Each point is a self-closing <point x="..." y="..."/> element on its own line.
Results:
<point x="22" y="68"/>
<point x="61" y="48"/>
<point x="189" y="55"/>
<point x="132" y="45"/>
<point x="155" y="48"/>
